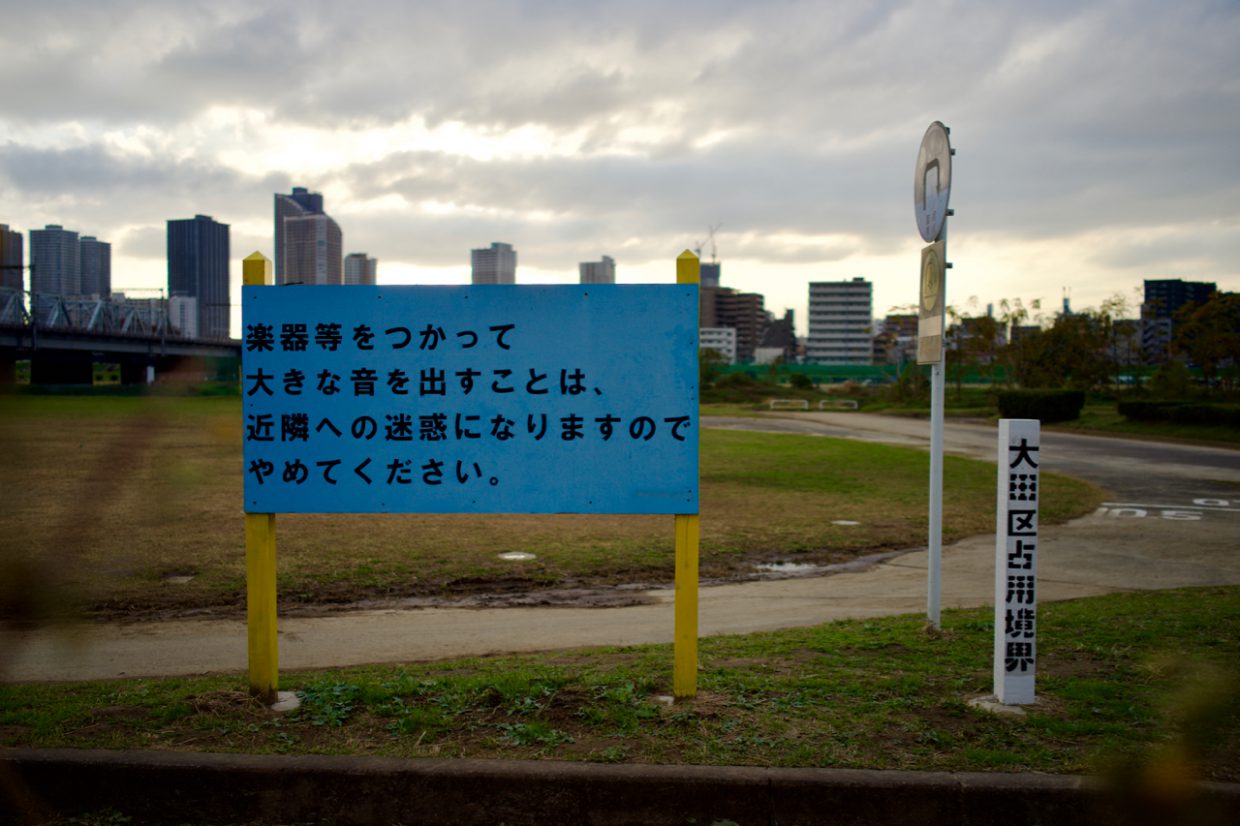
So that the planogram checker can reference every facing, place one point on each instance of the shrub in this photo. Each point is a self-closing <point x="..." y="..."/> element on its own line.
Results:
<point x="1044" y="405"/>
<point x="1145" y="410"/>
<point x="1192" y="413"/>
<point x="1171" y="380"/>
<point x="737" y="388"/>
<point x="739" y="379"/>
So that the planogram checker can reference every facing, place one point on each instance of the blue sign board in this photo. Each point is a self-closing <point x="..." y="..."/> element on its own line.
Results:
<point x="482" y="399"/>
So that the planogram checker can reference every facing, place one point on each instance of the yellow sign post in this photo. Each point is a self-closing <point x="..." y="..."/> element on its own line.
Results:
<point x="688" y="531"/>
<point x="260" y="559"/>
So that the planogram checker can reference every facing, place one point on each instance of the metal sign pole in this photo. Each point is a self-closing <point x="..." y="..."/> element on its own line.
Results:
<point x="932" y="180"/>
<point x="935" y="542"/>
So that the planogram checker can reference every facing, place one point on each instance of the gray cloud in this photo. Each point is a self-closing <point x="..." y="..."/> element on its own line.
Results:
<point x="151" y="242"/>
<point x="1069" y="118"/>
<point x="762" y="182"/>
<point x="1188" y="250"/>
<point x="98" y="191"/>
<point x="145" y="242"/>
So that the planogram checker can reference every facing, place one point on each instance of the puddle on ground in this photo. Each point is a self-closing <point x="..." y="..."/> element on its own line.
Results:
<point x="844" y="522"/>
<point x="788" y="567"/>
<point x="789" y="570"/>
<point x="516" y="556"/>
<point x="179" y="579"/>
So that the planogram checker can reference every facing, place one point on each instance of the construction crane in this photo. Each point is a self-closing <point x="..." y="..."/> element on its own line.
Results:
<point x="710" y="236"/>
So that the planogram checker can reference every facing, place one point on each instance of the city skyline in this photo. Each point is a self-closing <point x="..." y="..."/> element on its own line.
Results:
<point x="498" y="261"/>
<point x="1095" y="144"/>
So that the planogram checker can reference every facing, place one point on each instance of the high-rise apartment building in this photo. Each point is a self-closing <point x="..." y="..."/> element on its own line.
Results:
<point x="840" y="322"/>
<point x="198" y="252"/>
<point x="95" y="261"/>
<point x="55" y="268"/>
<point x="743" y="312"/>
<point x="313" y="246"/>
<point x="320" y="261"/>
<point x="709" y="273"/>
<point x="360" y="269"/>
<point x="1164" y="297"/>
<point x="598" y="272"/>
<point x="11" y="258"/>
<point x="494" y="265"/>
<point x="55" y="261"/>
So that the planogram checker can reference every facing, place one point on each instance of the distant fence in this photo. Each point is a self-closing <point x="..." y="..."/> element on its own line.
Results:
<point x="817" y="373"/>
<point x="874" y="374"/>
<point x="803" y="404"/>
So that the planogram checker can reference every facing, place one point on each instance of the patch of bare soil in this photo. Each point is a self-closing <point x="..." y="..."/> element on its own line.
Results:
<point x="604" y="590"/>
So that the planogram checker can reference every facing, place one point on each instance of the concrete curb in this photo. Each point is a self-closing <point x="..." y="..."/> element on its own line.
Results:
<point x="179" y="787"/>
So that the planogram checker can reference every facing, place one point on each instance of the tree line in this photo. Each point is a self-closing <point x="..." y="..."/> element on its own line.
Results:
<point x="1098" y="348"/>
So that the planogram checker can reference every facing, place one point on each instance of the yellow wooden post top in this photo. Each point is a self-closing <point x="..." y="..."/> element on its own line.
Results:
<point x="688" y="268"/>
<point x="256" y="270"/>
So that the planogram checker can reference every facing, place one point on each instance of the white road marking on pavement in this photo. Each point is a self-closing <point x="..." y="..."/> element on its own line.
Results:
<point x="1168" y="507"/>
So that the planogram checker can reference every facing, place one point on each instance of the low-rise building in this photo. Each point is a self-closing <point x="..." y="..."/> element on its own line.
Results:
<point x="720" y="339"/>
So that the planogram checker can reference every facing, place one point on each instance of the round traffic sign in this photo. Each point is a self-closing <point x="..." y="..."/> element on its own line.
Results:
<point x="932" y="181"/>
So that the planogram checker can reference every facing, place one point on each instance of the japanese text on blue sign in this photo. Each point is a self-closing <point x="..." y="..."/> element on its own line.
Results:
<point x="496" y="399"/>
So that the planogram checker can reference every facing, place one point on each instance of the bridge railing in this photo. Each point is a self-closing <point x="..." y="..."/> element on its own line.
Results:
<point x="133" y="317"/>
<point x="13" y="308"/>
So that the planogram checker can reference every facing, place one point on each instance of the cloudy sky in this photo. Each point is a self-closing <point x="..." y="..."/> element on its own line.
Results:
<point x="1098" y="143"/>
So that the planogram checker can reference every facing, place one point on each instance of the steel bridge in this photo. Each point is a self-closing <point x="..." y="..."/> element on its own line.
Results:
<point x="64" y="336"/>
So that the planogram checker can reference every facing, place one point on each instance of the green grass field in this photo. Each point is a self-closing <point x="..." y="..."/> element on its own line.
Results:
<point x="126" y="506"/>
<point x="1138" y="685"/>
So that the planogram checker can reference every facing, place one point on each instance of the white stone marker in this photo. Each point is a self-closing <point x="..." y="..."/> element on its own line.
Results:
<point x="1016" y="561"/>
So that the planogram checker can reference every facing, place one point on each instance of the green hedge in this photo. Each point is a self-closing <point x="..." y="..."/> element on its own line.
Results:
<point x="1203" y="413"/>
<point x="205" y="388"/>
<point x="1044" y="405"/>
